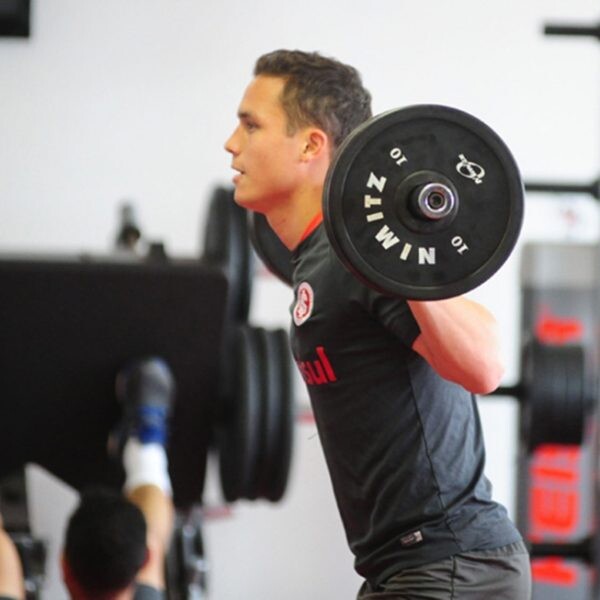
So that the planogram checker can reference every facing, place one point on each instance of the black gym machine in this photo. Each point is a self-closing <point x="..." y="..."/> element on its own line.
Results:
<point x="68" y="327"/>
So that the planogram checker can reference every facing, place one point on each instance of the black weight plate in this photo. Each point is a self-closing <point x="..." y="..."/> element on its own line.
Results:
<point x="272" y="414"/>
<point x="556" y="399"/>
<point x="253" y="490"/>
<point x="556" y="390"/>
<point x="238" y="439"/>
<point x="384" y="244"/>
<point x="567" y="409"/>
<point x="574" y="408"/>
<point x="539" y="383"/>
<point x="284" y="441"/>
<point x="270" y="249"/>
<point x="227" y="245"/>
<point x="255" y="374"/>
<point x="531" y="396"/>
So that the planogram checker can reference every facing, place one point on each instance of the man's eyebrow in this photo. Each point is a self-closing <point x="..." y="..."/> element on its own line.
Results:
<point x="244" y="114"/>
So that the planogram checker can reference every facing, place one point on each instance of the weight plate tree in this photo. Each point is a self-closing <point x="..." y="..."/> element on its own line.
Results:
<point x="255" y="436"/>
<point x="557" y="492"/>
<point x="555" y="394"/>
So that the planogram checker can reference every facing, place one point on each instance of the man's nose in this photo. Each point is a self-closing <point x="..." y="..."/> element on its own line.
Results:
<point x="231" y="144"/>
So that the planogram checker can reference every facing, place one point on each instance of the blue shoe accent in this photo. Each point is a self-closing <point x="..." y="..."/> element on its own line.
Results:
<point x="146" y="392"/>
<point x="152" y="424"/>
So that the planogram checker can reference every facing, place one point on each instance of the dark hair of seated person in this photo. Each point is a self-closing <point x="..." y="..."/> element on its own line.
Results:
<point x="105" y="542"/>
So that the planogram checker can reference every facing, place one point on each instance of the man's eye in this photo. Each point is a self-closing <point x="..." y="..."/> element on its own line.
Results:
<point x="251" y="125"/>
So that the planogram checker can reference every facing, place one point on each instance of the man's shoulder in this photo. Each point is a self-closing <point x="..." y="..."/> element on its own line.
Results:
<point x="318" y="263"/>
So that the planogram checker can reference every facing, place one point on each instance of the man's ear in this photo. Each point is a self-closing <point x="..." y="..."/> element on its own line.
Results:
<point x="316" y="144"/>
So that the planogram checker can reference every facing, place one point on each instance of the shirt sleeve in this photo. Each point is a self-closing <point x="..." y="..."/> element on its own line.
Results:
<point x="394" y="314"/>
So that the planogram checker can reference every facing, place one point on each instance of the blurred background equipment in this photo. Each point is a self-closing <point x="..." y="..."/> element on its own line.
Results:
<point x="87" y="316"/>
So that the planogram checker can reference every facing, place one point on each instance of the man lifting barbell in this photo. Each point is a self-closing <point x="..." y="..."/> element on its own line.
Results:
<point x="391" y="380"/>
<point x="115" y="544"/>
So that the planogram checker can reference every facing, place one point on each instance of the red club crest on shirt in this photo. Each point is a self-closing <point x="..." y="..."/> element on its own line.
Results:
<point x="305" y="299"/>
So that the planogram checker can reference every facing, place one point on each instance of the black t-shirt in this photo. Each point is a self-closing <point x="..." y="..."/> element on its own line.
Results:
<point x="403" y="446"/>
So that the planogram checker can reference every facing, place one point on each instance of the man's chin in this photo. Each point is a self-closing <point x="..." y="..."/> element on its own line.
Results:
<point x="238" y="197"/>
<point x="245" y="202"/>
<point x="240" y="200"/>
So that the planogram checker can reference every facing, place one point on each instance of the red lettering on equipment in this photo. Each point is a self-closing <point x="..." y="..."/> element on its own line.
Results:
<point x="554" y="511"/>
<point x="554" y="497"/>
<point x="554" y="473"/>
<point x="554" y="571"/>
<point x="553" y="329"/>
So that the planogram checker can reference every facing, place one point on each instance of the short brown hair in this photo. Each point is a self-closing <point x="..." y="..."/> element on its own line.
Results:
<point x="318" y="91"/>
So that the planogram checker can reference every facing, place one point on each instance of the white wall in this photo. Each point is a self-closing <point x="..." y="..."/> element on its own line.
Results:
<point x="134" y="99"/>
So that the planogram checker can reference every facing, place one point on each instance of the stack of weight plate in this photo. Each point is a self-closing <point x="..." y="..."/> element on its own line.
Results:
<point x="254" y="413"/>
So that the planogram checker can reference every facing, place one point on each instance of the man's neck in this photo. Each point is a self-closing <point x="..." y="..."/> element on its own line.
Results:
<point x="291" y="220"/>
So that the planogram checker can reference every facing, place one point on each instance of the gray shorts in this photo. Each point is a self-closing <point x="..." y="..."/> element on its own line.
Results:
<point x="500" y="574"/>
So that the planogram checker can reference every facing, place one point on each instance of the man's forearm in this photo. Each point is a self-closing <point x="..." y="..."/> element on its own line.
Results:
<point x="459" y="338"/>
